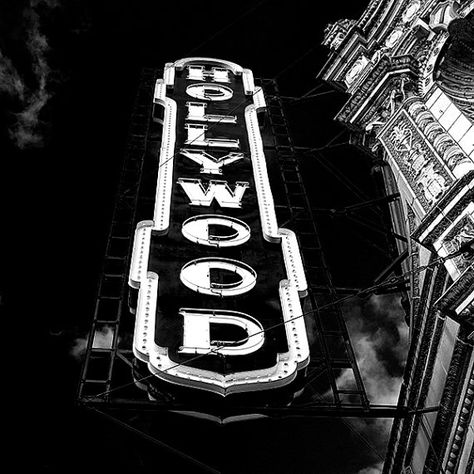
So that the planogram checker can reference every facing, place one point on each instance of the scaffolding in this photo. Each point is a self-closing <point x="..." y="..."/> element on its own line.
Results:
<point x="107" y="378"/>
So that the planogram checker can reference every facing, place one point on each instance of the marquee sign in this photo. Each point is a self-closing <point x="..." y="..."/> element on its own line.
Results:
<point x="220" y="286"/>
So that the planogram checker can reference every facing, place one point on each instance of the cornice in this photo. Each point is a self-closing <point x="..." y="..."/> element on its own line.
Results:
<point x="434" y="338"/>
<point x="370" y="12"/>
<point x="339" y="60"/>
<point x="376" y="83"/>
<point x="418" y="370"/>
<point x="452" y="396"/>
<point x="455" y="295"/>
<point x="461" y="427"/>
<point x="442" y="213"/>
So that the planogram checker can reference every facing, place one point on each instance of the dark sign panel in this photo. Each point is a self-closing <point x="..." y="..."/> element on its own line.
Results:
<point x="220" y="285"/>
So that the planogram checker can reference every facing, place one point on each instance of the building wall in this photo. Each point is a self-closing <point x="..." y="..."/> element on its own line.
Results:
<point x="406" y="66"/>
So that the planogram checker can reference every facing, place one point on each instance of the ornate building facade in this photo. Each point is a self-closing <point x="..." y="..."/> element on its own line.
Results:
<point x="407" y="67"/>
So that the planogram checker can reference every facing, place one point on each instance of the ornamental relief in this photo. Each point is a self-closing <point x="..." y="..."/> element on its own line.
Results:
<point x="449" y="216"/>
<point x="462" y="233"/>
<point x="441" y="141"/>
<point x="410" y="11"/>
<point x="404" y="16"/>
<point x="399" y="90"/>
<point x="415" y="260"/>
<point x="373" y="75"/>
<point x="356" y="70"/>
<point x="427" y="58"/>
<point x="335" y="33"/>
<point x="422" y="169"/>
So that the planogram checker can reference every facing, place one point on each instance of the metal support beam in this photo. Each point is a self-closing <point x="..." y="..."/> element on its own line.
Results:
<point x="376" y="229"/>
<point x="390" y="268"/>
<point x="312" y="409"/>
<point x="294" y="100"/>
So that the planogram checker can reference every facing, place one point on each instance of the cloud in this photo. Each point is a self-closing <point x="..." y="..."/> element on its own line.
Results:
<point x="26" y="128"/>
<point x="103" y="339"/>
<point x="376" y="469"/>
<point x="10" y="81"/>
<point x="379" y="337"/>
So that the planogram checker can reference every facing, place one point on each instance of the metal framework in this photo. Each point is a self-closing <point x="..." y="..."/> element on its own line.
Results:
<point x="333" y="350"/>
<point x="100" y="364"/>
<point x="107" y="377"/>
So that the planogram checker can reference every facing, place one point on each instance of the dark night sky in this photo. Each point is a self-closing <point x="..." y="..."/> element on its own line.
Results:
<point x="69" y="71"/>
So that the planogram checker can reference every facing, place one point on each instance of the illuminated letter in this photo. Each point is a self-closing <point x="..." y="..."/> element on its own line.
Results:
<point x="217" y="74"/>
<point x="218" y="190"/>
<point x="212" y="92"/>
<point x="218" y="276"/>
<point x="196" y="111"/>
<point x="209" y="163"/>
<point x="193" y="256"/>
<point x="197" y="136"/>
<point x="202" y="230"/>
<point x="205" y="330"/>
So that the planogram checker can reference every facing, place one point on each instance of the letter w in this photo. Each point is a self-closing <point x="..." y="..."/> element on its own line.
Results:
<point x="218" y="190"/>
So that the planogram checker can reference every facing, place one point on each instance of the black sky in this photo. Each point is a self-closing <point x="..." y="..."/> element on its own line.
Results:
<point x="57" y="200"/>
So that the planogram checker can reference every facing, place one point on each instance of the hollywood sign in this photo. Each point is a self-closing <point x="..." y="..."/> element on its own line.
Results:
<point x="220" y="285"/>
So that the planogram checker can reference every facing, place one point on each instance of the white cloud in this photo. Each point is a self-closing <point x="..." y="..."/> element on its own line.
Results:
<point x="103" y="339"/>
<point x="26" y="129"/>
<point x="376" y="469"/>
<point x="379" y="337"/>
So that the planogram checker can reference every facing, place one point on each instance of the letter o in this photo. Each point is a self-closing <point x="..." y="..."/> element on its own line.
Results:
<point x="212" y="92"/>
<point x="197" y="229"/>
<point x="197" y="275"/>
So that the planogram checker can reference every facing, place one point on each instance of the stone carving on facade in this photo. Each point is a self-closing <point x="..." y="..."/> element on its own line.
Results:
<point x="450" y="214"/>
<point x="398" y="94"/>
<point x="335" y="33"/>
<point x="407" y="37"/>
<point x="423" y="170"/>
<point x="378" y="115"/>
<point x="442" y="15"/>
<point x="468" y="314"/>
<point x="427" y="52"/>
<point x="431" y="183"/>
<point x="402" y="137"/>
<point x="356" y="70"/>
<point x="410" y="11"/>
<point x="461" y="234"/>
<point x="417" y="159"/>
<point x="369" y="12"/>
<point x="414" y="251"/>
<point x="393" y="37"/>
<point x="449" y="151"/>
<point x="373" y="78"/>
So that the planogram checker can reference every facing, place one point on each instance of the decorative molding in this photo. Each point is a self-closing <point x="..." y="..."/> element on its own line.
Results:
<point x="456" y="294"/>
<point x="406" y="45"/>
<point x="375" y="81"/>
<point x="335" y="33"/>
<point x="448" y="150"/>
<point x="450" y="399"/>
<point x="425" y="173"/>
<point x="416" y="376"/>
<point x="438" y="219"/>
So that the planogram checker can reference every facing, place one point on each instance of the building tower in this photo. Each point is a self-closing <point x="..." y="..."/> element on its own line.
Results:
<point x="407" y="67"/>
